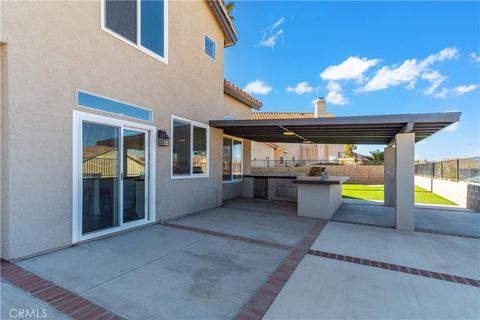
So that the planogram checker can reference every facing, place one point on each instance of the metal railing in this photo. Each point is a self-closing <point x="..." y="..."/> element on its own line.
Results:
<point x="456" y="170"/>
<point x="303" y="163"/>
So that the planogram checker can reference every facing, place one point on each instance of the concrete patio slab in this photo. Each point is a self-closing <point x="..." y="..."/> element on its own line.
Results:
<point x="266" y="206"/>
<point x="211" y="279"/>
<point x="251" y="222"/>
<point x="447" y="254"/>
<point x="16" y="302"/>
<point x="441" y="219"/>
<point x="328" y="289"/>
<point x="218" y="219"/>
<point x="89" y="264"/>
<point x="281" y="229"/>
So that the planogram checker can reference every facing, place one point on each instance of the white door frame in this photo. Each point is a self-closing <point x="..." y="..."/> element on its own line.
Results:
<point x="150" y="212"/>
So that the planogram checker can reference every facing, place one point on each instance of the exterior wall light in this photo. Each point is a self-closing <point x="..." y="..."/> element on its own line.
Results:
<point x="163" y="138"/>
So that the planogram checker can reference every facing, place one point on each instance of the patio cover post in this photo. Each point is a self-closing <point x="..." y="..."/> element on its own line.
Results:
<point x="405" y="181"/>
<point x="389" y="176"/>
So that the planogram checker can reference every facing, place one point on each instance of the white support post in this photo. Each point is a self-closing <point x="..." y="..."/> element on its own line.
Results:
<point x="405" y="181"/>
<point x="389" y="176"/>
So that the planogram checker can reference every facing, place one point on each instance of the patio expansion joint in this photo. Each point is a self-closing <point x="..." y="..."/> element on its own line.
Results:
<point x="396" y="268"/>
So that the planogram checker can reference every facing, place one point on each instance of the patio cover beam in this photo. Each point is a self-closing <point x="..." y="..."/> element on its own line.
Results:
<point x="379" y="129"/>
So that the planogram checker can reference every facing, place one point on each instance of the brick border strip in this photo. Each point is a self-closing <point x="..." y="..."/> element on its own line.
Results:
<point x="229" y="236"/>
<point x="263" y="298"/>
<point x="59" y="298"/>
<point x="398" y="268"/>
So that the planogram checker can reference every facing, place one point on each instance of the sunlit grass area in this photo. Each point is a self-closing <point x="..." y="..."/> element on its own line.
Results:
<point x="375" y="192"/>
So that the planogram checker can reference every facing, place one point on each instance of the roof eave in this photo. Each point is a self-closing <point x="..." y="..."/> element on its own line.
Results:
<point x="225" y="22"/>
<point x="237" y="95"/>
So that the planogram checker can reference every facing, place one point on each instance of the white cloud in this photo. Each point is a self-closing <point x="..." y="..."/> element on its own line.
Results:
<point x="334" y="86"/>
<point x="441" y="94"/>
<point x="475" y="57"/>
<point x="465" y="89"/>
<point x="301" y="88"/>
<point x="272" y="34"/>
<point x="409" y="71"/>
<point x="453" y="127"/>
<point x="335" y="95"/>
<point x="436" y="79"/>
<point x="257" y="87"/>
<point x="350" y="69"/>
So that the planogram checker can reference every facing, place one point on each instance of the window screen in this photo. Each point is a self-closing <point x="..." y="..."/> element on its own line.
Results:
<point x="181" y="148"/>
<point x="199" y="150"/>
<point x="121" y="17"/>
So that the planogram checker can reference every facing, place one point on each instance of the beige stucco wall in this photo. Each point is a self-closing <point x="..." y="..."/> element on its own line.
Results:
<point x="55" y="48"/>
<point x="235" y="108"/>
<point x="260" y="151"/>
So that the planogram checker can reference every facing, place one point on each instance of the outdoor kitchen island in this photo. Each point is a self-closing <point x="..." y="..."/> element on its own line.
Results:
<point x="316" y="196"/>
<point x="319" y="197"/>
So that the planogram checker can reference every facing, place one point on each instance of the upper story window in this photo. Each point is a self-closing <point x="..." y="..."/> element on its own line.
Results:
<point x="141" y="23"/>
<point x="189" y="148"/>
<point x="210" y="47"/>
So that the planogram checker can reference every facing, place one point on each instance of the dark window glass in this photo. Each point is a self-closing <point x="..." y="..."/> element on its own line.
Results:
<point x="227" y="159"/>
<point x="121" y="17"/>
<point x="199" y="150"/>
<point x="209" y="47"/>
<point x="152" y="25"/>
<point x="181" y="148"/>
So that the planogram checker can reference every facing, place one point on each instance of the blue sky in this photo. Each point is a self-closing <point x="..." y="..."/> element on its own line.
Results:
<point x="365" y="58"/>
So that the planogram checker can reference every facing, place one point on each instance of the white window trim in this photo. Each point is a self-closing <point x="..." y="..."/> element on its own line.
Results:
<point x="138" y="45"/>
<point x="232" y="180"/>
<point x="151" y="217"/>
<point x="192" y="124"/>
<point x="115" y="100"/>
<point x="215" y="47"/>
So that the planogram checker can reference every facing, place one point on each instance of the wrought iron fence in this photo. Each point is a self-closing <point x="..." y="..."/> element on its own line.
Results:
<point x="302" y="163"/>
<point x="457" y="170"/>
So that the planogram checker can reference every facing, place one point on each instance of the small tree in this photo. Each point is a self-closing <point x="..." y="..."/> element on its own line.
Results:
<point x="230" y="5"/>
<point x="349" y="150"/>
<point x="376" y="156"/>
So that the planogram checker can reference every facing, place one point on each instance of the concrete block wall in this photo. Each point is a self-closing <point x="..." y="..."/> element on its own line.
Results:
<point x="359" y="174"/>
<point x="465" y="194"/>
<point x="473" y="197"/>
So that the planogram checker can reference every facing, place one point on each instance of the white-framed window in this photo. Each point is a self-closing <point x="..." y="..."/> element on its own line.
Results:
<point x="282" y="160"/>
<point x="232" y="159"/>
<point x="189" y="148"/>
<point x="210" y="48"/>
<point x="140" y="23"/>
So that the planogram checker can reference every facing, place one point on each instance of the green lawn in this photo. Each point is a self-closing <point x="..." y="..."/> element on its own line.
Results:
<point x="375" y="192"/>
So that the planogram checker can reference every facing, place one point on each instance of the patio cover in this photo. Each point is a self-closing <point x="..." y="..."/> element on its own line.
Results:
<point x="377" y="129"/>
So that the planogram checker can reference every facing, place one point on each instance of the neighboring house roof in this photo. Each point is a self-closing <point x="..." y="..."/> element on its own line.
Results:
<point x="225" y="22"/>
<point x="284" y="115"/>
<point x="237" y="93"/>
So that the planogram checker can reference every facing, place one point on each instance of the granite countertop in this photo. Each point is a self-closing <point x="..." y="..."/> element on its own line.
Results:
<point x="329" y="180"/>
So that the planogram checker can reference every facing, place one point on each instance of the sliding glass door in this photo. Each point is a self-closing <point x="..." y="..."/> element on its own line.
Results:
<point x="100" y="176"/>
<point x="113" y="175"/>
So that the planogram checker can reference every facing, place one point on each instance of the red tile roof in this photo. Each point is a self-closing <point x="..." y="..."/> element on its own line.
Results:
<point x="284" y="115"/>
<point x="237" y="93"/>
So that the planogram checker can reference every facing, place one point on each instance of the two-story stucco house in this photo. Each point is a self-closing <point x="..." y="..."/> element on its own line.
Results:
<point x="104" y="118"/>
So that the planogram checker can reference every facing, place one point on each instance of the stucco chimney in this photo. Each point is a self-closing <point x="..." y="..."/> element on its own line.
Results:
<point x="320" y="107"/>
